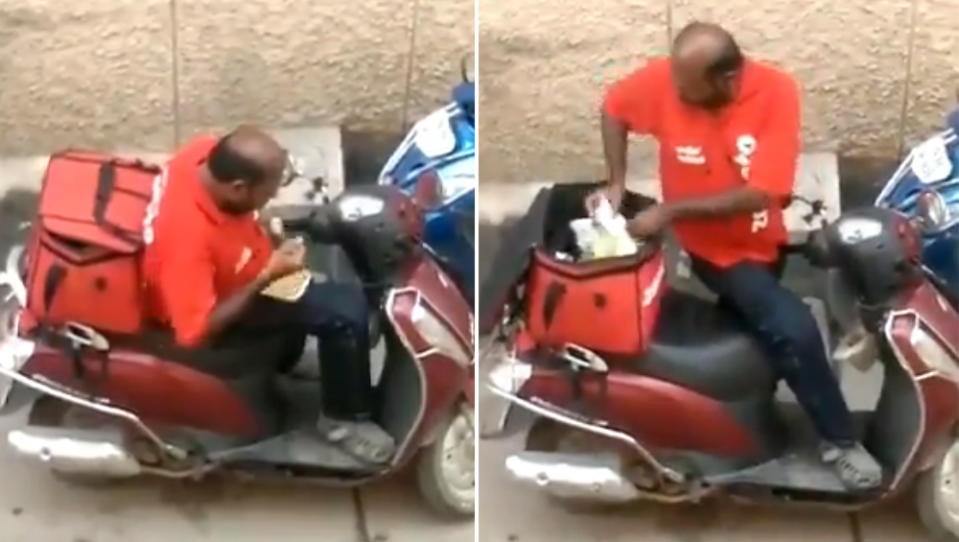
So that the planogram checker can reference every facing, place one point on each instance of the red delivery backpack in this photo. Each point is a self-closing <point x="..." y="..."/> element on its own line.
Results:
<point x="83" y="257"/>
<point x="609" y="306"/>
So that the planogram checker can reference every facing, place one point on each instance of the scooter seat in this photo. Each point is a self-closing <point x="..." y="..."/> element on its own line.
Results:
<point x="701" y="346"/>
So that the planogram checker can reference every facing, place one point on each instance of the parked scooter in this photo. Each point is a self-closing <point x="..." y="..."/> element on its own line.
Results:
<point x="692" y="412"/>
<point x="437" y="161"/>
<point x="104" y="411"/>
<point x="926" y="188"/>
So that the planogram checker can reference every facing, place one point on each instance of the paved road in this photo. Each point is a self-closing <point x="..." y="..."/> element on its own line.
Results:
<point x="36" y="507"/>
<point x="512" y="513"/>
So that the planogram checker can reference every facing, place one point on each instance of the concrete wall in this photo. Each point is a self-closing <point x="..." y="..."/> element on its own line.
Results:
<point x="146" y="74"/>
<point x="544" y="65"/>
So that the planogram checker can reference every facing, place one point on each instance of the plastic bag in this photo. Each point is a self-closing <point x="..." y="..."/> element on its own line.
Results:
<point x="604" y="235"/>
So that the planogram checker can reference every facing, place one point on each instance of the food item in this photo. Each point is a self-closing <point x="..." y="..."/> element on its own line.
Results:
<point x="604" y="235"/>
<point x="289" y="288"/>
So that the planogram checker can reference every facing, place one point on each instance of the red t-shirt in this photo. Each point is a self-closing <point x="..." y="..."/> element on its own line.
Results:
<point x="753" y="141"/>
<point x="196" y="254"/>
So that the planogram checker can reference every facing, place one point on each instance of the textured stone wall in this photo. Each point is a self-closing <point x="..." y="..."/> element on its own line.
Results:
<point x="145" y="73"/>
<point x="544" y="65"/>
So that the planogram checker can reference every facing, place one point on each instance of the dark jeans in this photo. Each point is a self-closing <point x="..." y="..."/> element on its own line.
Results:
<point x="786" y="327"/>
<point x="270" y="338"/>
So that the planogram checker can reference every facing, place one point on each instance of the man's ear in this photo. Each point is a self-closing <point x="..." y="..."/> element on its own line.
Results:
<point x="238" y="186"/>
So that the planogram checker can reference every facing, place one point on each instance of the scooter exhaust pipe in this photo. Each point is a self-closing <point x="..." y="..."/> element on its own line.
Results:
<point x="593" y="477"/>
<point x="76" y="451"/>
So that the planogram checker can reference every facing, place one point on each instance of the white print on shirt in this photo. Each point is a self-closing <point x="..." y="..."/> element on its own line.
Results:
<point x="245" y="256"/>
<point x="746" y="147"/>
<point x="649" y="294"/>
<point x="689" y="154"/>
<point x="153" y="209"/>
<point x="760" y="221"/>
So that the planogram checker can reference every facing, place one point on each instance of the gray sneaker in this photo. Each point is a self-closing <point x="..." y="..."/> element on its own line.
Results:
<point x="857" y="468"/>
<point x="364" y="440"/>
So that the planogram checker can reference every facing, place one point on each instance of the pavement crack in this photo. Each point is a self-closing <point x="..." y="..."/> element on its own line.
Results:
<point x="855" y="527"/>
<point x="362" y="527"/>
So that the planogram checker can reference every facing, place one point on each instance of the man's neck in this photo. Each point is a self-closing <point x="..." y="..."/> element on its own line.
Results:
<point x="209" y="184"/>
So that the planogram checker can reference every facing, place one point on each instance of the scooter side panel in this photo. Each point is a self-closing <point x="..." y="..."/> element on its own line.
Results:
<point x="158" y="391"/>
<point x="444" y="378"/>
<point x="657" y="413"/>
<point x="937" y="313"/>
<point x="938" y="389"/>
<point x="441" y="293"/>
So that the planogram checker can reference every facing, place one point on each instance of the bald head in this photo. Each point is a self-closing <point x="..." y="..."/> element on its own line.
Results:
<point x="248" y="154"/>
<point x="705" y="60"/>
<point x="246" y="167"/>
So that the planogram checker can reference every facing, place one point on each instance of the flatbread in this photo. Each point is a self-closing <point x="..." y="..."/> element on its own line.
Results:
<point x="289" y="288"/>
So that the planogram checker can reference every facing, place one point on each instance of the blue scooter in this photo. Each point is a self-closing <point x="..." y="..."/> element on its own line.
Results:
<point x="436" y="162"/>
<point x="925" y="187"/>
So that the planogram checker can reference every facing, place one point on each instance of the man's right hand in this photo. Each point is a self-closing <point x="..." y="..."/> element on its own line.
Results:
<point x="612" y="192"/>
<point x="287" y="258"/>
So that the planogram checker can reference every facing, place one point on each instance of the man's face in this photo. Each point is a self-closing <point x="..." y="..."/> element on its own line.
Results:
<point x="697" y="89"/>
<point x="244" y="197"/>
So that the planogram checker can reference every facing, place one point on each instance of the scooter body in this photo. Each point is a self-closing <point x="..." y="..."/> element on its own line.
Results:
<point x="437" y="160"/>
<point x="926" y="187"/>
<point x="696" y="413"/>
<point x="169" y="419"/>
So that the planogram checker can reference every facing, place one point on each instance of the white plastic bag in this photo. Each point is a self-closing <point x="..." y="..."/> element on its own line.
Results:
<point x="604" y="235"/>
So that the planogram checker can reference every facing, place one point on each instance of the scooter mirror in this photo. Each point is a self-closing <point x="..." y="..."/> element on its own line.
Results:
<point x="291" y="171"/>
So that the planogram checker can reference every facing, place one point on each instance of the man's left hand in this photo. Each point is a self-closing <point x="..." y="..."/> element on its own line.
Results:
<point x="649" y="222"/>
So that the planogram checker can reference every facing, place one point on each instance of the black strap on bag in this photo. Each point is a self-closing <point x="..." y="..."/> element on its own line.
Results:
<point x="106" y="183"/>
<point x="106" y="187"/>
<point x="50" y="337"/>
<point x="51" y="283"/>
<point x="554" y="294"/>
<point x="76" y="354"/>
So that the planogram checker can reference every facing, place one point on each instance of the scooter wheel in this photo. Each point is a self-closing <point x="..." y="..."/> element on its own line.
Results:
<point x="937" y="497"/>
<point x="444" y="471"/>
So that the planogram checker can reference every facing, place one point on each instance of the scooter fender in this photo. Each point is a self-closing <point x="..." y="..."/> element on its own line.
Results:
<point x="160" y="391"/>
<point x="654" y="413"/>
<point x="469" y="390"/>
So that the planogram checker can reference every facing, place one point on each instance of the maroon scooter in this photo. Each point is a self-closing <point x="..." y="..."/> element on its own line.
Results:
<point x="97" y="410"/>
<point x="695" y="414"/>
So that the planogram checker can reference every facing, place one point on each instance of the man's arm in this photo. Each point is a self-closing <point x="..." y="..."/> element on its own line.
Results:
<point x="741" y="199"/>
<point x="196" y="314"/>
<point x="614" y="133"/>
<point x="186" y="285"/>
<point x="229" y="310"/>
<point x="630" y="105"/>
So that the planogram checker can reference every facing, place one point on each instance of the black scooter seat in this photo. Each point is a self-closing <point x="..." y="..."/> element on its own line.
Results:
<point x="703" y="347"/>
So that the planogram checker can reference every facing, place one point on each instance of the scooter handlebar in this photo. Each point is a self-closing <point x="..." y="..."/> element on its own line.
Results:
<point x="315" y="222"/>
<point x="817" y="249"/>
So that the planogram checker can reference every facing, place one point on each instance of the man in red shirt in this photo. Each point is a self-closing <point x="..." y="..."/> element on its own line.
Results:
<point x="207" y="260"/>
<point x="728" y="129"/>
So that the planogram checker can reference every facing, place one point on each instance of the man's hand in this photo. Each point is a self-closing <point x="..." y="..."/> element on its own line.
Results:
<point x="649" y="222"/>
<point x="286" y="259"/>
<point x="613" y="192"/>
